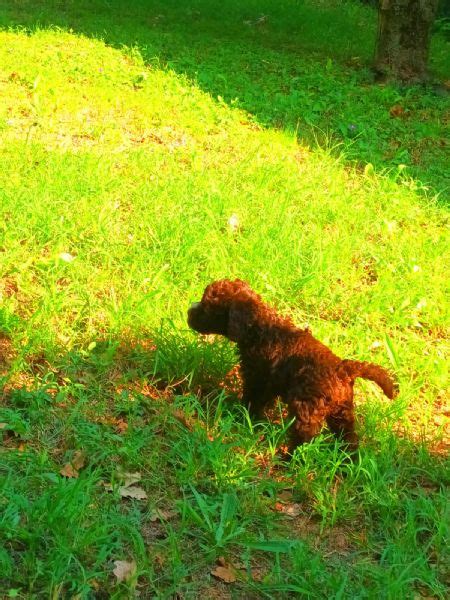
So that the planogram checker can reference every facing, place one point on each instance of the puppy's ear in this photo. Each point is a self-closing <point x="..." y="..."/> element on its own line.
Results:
<point x="241" y="319"/>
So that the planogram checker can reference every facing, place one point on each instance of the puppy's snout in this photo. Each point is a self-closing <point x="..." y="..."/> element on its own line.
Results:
<point x="193" y="314"/>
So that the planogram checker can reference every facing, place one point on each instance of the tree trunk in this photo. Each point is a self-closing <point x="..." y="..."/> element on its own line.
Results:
<point x="404" y="39"/>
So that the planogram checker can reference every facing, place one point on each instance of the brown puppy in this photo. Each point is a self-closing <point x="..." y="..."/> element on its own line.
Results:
<point x="278" y="359"/>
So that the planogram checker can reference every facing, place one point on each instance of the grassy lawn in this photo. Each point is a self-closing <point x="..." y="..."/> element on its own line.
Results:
<point x="130" y="134"/>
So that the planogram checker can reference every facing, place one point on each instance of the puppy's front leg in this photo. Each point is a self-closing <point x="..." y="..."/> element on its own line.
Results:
<point x="309" y="418"/>
<point x="255" y="396"/>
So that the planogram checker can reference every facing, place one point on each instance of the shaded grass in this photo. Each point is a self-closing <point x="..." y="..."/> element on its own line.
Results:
<point x="383" y="516"/>
<point x="118" y="180"/>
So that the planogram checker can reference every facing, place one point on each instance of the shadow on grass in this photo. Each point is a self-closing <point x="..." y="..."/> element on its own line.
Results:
<point x="112" y="374"/>
<point x="113" y="404"/>
<point x="294" y="66"/>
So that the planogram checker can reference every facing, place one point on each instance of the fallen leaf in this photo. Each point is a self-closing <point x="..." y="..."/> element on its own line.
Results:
<point x="69" y="471"/>
<point x="396" y="111"/>
<point x="159" y="559"/>
<point x="285" y="496"/>
<point x="257" y="575"/>
<point x="66" y="257"/>
<point x="121" y="426"/>
<point x="225" y="574"/>
<point x="124" y="570"/>
<point x="127" y="489"/>
<point x="79" y="460"/>
<point x="233" y="223"/>
<point x="162" y="515"/>
<point x="292" y="510"/>
<point x="94" y="583"/>
<point x="376" y="344"/>
<point x="130" y="478"/>
<point x="132" y="492"/>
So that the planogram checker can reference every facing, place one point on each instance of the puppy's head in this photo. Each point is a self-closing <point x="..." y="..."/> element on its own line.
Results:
<point x="227" y="308"/>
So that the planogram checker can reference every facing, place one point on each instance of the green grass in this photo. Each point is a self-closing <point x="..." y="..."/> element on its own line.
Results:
<point x="302" y="66"/>
<point x="130" y="134"/>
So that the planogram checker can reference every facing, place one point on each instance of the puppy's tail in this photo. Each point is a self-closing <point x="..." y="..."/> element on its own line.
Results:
<point x="366" y="370"/>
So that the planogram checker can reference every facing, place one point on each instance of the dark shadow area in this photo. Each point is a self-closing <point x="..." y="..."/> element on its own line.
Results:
<point x="292" y="65"/>
<point x="118" y="378"/>
<point x="71" y="423"/>
<point x="166" y="365"/>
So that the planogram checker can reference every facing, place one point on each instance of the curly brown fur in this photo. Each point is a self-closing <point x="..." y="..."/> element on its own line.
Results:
<point x="279" y="359"/>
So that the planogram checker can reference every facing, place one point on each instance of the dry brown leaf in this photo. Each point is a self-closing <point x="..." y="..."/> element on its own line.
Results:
<point x="132" y="492"/>
<point x="121" y="426"/>
<point x="69" y="471"/>
<point x="94" y="583"/>
<point x="225" y="574"/>
<point x="79" y="460"/>
<point x="124" y="570"/>
<point x="162" y="515"/>
<point x="180" y="416"/>
<point x="285" y="496"/>
<point x="291" y="510"/>
<point x="396" y="111"/>
<point x="3" y="425"/>
<point x="258" y="575"/>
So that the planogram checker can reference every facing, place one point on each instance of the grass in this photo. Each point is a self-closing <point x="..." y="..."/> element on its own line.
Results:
<point x="130" y="134"/>
<point x="268" y="60"/>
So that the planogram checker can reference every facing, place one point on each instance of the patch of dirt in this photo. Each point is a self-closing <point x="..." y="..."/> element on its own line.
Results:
<point x="17" y="381"/>
<point x="8" y="287"/>
<point x="335" y="540"/>
<point x="152" y="532"/>
<point x="6" y="353"/>
<point x="88" y="128"/>
<point x="217" y="591"/>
